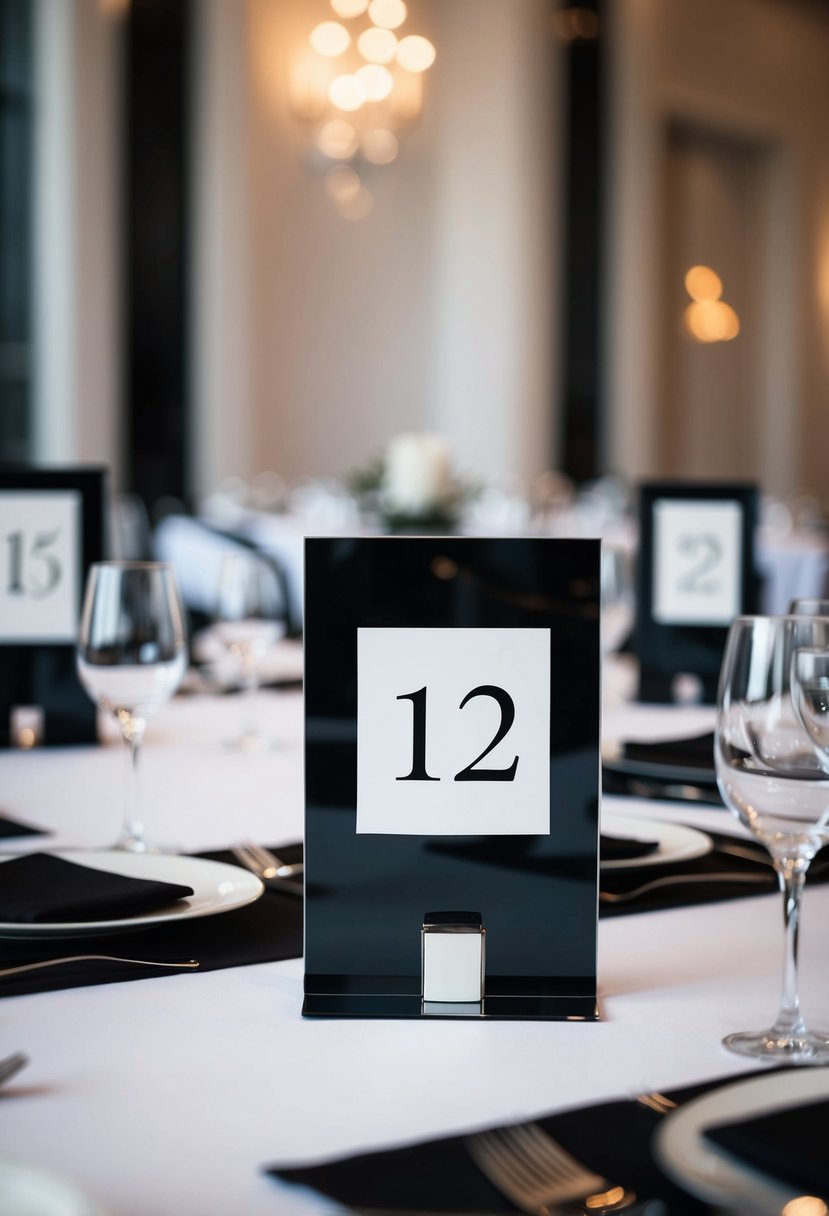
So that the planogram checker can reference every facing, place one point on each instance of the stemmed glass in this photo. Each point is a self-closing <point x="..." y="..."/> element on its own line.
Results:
<point x="131" y="657"/>
<point x="617" y="597"/>
<point x="769" y="776"/>
<point x="249" y="606"/>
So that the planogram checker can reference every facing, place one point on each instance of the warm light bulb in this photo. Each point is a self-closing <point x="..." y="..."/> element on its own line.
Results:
<point x="337" y="140"/>
<point x="711" y="321"/>
<point x="387" y="14"/>
<point x="415" y="53"/>
<point x="349" y="8"/>
<point x="346" y="93"/>
<point x="378" y="81"/>
<point x="703" y="284"/>
<point x="379" y="146"/>
<point x="330" y="38"/>
<point x="377" y="46"/>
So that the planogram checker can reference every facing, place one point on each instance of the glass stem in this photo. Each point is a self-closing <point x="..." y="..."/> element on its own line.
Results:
<point x="132" y="836"/>
<point x="791" y="873"/>
<point x="250" y="687"/>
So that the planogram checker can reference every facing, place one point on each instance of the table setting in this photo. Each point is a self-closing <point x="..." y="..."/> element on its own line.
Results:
<point x="136" y="972"/>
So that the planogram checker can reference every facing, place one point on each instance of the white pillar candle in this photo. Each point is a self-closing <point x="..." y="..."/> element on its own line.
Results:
<point x="417" y="475"/>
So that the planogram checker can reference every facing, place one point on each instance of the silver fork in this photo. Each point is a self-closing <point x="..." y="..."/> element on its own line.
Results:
<point x="535" y="1173"/>
<point x="678" y="880"/>
<point x="189" y="964"/>
<point x="264" y="862"/>
<point x="12" y="1065"/>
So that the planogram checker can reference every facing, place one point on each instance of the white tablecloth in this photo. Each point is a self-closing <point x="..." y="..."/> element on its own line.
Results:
<point x="167" y="1095"/>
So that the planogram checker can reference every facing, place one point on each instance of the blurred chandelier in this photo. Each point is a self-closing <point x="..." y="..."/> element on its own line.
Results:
<point x="358" y="87"/>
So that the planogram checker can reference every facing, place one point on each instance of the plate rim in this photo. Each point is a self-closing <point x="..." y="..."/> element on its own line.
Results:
<point x="75" y="1201"/>
<point x="725" y="1176"/>
<point x="252" y="890"/>
<point x="699" y="842"/>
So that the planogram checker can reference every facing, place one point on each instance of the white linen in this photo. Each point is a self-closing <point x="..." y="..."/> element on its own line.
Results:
<point x="167" y="1095"/>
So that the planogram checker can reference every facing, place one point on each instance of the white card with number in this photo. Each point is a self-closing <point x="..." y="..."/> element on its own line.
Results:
<point x="697" y="561"/>
<point x="453" y="731"/>
<point x="40" y="565"/>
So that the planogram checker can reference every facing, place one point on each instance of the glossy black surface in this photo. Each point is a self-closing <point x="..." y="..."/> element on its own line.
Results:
<point x="664" y="651"/>
<point x="367" y="894"/>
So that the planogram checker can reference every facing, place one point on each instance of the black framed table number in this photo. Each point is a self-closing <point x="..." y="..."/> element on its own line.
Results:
<point x="452" y="777"/>
<point x="51" y="530"/>
<point x="696" y="573"/>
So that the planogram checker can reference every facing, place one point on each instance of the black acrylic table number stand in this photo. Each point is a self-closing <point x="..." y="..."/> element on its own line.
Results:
<point x="52" y="527"/>
<point x="452" y="692"/>
<point x="696" y="572"/>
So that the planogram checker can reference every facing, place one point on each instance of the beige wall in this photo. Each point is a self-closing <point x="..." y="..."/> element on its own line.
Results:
<point x="76" y="237"/>
<point x="318" y="338"/>
<point x="751" y="68"/>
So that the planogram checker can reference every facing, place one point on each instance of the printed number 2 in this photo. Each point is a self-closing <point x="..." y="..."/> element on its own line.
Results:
<point x="471" y="772"/>
<point x="707" y="550"/>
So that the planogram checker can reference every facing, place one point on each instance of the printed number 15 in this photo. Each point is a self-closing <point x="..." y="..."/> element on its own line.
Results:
<point x="471" y="772"/>
<point x="42" y="567"/>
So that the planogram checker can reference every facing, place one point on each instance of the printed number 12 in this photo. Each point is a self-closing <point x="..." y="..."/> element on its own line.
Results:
<point x="471" y="772"/>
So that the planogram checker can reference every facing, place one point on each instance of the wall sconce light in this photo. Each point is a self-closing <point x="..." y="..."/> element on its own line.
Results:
<point x="357" y="88"/>
<point x="708" y="318"/>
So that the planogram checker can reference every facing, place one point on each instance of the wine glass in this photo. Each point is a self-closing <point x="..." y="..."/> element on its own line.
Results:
<point x="131" y="657"/>
<point x="810" y="692"/>
<point x="249" y="608"/>
<point x="617" y="597"/>
<point x="769" y="776"/>
<point x="809" y="607"/>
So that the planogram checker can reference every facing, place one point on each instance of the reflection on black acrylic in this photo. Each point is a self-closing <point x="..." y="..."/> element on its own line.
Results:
<point x="452" y="762"/>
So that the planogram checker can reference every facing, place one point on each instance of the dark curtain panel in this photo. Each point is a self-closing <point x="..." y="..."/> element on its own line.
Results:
<point x="156" y="177"/>
<point x="16" y="139"/>
<point x="582" y="31"/>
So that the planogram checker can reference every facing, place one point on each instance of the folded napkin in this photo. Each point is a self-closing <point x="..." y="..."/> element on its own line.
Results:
<point x="265" y="931"/>
<point x="696" y="752"/>
<point x="613" y="1139"/>
<point x="41" y="888"/>
<point x="13" y="827"/>
<point x="625" y="848"/>
<point x="786" y="1144"/>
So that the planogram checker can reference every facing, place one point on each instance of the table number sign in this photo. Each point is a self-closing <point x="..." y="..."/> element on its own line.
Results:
<point x="452" y="758"/>
<point x="51" y="529"/>
<point x="696" y="574"/>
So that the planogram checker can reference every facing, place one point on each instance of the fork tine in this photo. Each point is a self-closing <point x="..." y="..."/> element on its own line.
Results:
<point x="531" y="1169"/>
<point x="12" y="1064"/>
<point x="549" y="1158"/>
<point x="498" y="1165"/>
<point x="268" y="863"/>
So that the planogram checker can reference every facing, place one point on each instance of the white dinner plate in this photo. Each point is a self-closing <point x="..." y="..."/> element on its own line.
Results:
<point x="25" y="1191"/>
<point x="711" y="1173"/>
<point x="676" y="842"/>
<point x="217" y="887"/>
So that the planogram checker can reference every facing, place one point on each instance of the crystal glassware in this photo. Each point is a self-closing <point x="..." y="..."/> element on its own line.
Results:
<point x="249" y="610"/>
<point x="131" y="657"/>
<point x="770" y="777"/>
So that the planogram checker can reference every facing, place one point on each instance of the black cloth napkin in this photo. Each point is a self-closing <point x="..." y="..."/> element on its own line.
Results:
<point x="695" y="752"/>
<point x="13" y="827"/>
<point x="786" y="1144"/>
<point x="716" y="866"/>
<point x="613" y="1139"/>
<point x="40" y="888"/>
<point x="679" y="770"/>
<point x="265" y="931"/>
<point x="624" y="848"/>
